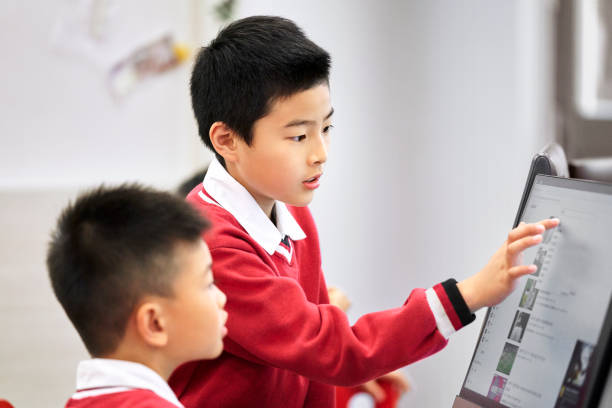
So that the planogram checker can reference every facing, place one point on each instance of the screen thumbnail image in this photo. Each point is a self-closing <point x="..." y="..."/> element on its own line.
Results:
<point x="497" y="388"/>
<point x="507" y="358"/>
<point x="573" y="386"/>
<point x="548" y="233"/>
<point x="529" y="294"/>
<point x="539" y="260"/>
<point x="518" y="326"/>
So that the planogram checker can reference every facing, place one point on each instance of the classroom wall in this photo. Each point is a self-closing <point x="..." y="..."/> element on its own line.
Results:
<point x="439" y="108"/>
<point x="61" y="127"/>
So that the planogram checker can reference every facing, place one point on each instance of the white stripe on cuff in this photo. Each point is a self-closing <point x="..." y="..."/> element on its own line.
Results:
<point x="442" y="321"/>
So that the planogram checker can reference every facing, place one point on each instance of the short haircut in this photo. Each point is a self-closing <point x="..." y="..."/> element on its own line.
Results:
<point x="249" y="65"/>
<point x="111" y="247"/>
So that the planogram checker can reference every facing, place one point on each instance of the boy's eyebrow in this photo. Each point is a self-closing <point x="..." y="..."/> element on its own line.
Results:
<point x="300" y="122"/>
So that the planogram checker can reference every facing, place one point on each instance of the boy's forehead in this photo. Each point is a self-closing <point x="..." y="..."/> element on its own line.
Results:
<point x="312" y="104"/>
<point x="195" y="252"/>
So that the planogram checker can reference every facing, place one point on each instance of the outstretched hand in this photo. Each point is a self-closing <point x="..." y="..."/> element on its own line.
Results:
<point x="498" y="278"/>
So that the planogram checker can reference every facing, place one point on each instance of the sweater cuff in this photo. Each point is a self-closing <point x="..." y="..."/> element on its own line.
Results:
<point x="448" y="307"/>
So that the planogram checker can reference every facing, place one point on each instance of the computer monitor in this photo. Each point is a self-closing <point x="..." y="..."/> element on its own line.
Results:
<point x="547" y="344"/>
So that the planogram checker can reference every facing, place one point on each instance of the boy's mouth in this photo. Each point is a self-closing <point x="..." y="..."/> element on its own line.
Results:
<point x="312" y="182"/>
<point x="223" y="326"/>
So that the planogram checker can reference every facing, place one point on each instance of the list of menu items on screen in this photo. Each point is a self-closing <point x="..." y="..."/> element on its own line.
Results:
<point x="535" y="346"/>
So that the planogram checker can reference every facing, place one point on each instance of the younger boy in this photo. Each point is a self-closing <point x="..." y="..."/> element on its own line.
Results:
<point x="129" y="268"/>
<point x="260" y="95"/>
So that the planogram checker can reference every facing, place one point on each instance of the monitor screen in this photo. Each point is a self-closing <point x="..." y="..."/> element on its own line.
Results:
<point x="536" y="347"/>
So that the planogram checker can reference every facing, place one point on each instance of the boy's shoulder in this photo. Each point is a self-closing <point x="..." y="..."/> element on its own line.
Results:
<point x="137" y="398"/>
<point x="206" y="204"/>
<point x="224" y="223"/>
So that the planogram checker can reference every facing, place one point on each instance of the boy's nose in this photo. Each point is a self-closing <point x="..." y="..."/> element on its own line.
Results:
<point x="221" y="298"/>
<point x="318" y="154"/>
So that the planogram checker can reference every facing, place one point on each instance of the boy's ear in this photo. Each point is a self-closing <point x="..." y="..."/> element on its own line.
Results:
<point x="224" y="140"/>
<point x="151" y="324"/>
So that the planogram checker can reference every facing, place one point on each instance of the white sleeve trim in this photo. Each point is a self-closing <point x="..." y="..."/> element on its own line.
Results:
<point x="444" y="324"/>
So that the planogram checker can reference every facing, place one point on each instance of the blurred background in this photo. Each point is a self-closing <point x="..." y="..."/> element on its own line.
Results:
<point x="440" y="106"/>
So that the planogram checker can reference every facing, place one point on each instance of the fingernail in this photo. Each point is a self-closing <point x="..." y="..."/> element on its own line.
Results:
<point x="532" y="268"/>
<point x="540" y="227"/>
<point x="537" y="238"/>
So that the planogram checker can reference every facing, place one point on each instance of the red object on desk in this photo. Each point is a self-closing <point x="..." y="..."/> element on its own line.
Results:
<point x="5" y="404"/>
<point x="344" y="395"/>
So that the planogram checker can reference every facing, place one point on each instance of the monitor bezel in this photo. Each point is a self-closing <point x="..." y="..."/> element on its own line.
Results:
<point x="602" y="354"/>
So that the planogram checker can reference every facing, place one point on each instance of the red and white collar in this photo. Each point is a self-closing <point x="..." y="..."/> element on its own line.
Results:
<point x="233" y="197"/>
<point x="101" y="376"/>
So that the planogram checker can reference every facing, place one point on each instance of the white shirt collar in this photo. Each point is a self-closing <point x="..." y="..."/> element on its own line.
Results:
<point x="233" y="197"/>
<point x="109" y="375"/>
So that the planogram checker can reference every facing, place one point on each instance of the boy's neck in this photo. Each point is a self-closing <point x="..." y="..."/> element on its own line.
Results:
<point x="153" y="359"/>
<point x="265" y="203"/>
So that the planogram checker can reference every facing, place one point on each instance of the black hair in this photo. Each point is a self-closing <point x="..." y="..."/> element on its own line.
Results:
<point x="249" y="65"/>
<point x="111" y="247"/>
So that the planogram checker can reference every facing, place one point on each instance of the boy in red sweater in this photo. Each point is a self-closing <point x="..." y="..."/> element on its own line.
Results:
<point x="260" y="95"/>
<point x="131" y="271"/>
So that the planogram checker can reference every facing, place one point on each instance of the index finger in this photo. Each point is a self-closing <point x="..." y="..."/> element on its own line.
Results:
<point x="549" y="223"/>
<point x="535" y="228"/>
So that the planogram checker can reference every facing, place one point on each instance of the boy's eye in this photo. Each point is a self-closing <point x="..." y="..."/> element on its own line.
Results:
<point x="326" y="129"/>
<point x="298" y="138"/>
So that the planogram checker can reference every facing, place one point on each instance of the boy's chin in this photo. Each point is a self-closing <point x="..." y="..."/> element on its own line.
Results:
<point x="212" y="354"/>
<point x="299" y="203"/>
<point x="299" y="200"/>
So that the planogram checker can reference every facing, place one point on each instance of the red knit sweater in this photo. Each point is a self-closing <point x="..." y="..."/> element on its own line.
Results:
<point x="286" y="346"/>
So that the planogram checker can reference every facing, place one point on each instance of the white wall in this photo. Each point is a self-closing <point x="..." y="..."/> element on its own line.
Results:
<point x="60" y="130"/>
<point x="60" y="126"/>
<point x="439" y="107"/>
